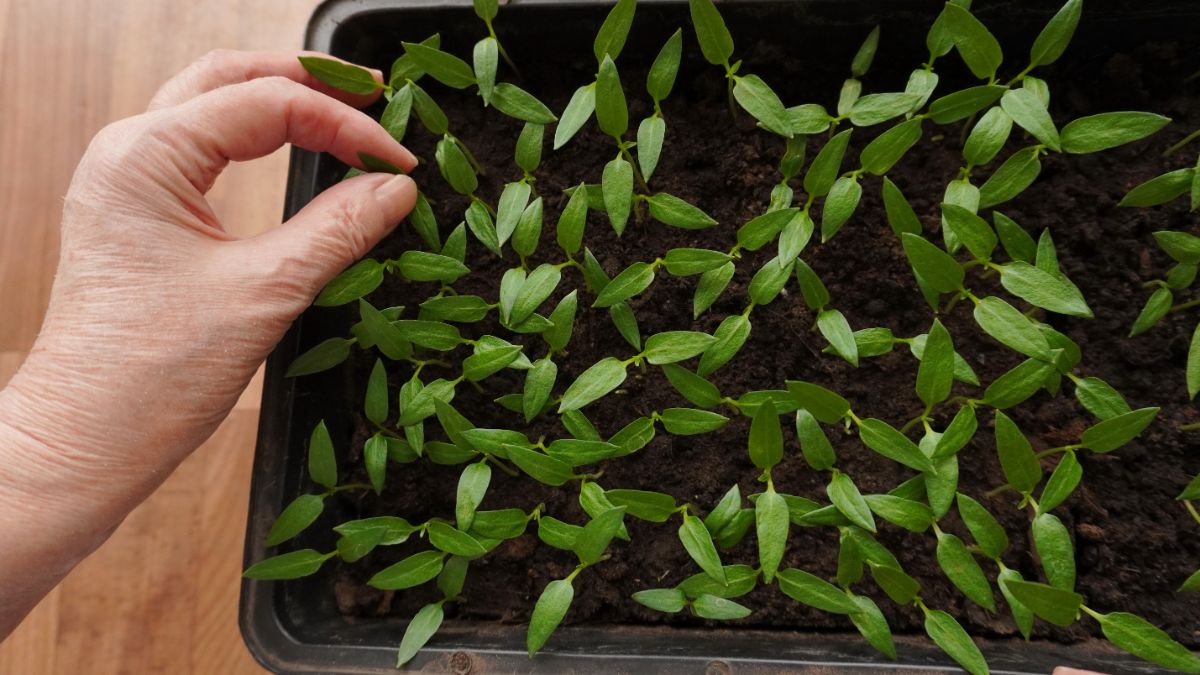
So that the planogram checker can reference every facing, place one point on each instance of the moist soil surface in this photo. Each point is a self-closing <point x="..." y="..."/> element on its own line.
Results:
<point x="1134" y="543"/>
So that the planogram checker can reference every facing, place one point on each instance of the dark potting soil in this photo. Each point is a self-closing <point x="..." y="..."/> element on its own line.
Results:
<point x="1134" y="543"/>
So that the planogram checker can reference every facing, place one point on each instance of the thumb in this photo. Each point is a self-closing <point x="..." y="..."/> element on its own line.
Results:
<point x="336" y="228"/>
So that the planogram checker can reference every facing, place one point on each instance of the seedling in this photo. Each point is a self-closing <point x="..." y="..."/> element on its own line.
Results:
<point x="429" y="350"/>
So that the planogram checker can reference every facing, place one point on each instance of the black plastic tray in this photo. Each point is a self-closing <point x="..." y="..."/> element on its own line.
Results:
<point x="294" y="627"/>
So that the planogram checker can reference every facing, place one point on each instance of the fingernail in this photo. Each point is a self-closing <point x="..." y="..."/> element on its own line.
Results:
<point x="395" y="187"/>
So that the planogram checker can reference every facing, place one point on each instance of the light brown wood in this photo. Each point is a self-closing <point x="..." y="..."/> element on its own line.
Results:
<point x="161" y="595"/>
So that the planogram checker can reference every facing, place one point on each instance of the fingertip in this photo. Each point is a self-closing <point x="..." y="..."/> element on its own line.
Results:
<point x="397" y="194"/>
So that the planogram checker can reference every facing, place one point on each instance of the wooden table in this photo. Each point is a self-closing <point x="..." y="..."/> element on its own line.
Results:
<point x="161" y="595"/>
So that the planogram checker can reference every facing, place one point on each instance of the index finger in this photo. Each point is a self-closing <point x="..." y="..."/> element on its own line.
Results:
<point x="222" y="67"/>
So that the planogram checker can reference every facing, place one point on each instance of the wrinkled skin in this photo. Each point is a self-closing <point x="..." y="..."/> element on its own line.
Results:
<point x="158" y="318"/>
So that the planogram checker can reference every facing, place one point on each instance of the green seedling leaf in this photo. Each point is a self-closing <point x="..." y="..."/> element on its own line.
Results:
<point x="455" y="168"/>
<point x="988" y="136"/>
<point x="712" y="283"/>
<point x="1011" y="328"/>
<point x="771" y="524"/>
<point x="1115" y="432"/>
<point x="630" y="282"/>
<point x="410" y="572"/>
<point x="423" y="221"/>
<point x="650" y="135"/>
<point x="1052" y="541"/>
<point x="520" y="104"/>
<point x="932" y="265"/>
<point x="816" y="296"/>
<point x="826" y="166"/>
<point x="887" y="441"/>
<point x="291" y="565"/>
<point x="669" y="600"/>
<point x="1014" y="175"/>
<point x="1161" y="189"/>
<point x="689" y="422"/>
<point x="697" y="390"/>
<point x="486" y="59"/>
<point x="837" y="331"/>
<point x="661" y="78"/>
<point x="423" y="266"/>
<point x="626" y="323"/>
<point x="617" y="186"/>
<point x="975" y="43"/>
<point x="865" y="54"/>
<point x="1109" y="130"/>
<point x="610" y="39"/>
<point x="1059" y="607"/>
<point x="730" y="335"/>
<point x="431" y="115"/>
<point x="766" y="437"/>
<point x="1193" y="364"/>
<point x="375" y="457"/>
<point x="935" y="376"/>
<point x="815" y="592"/>
<point x="295" y="518"/>
<point x="575" y="115"/>
<point x="441" y="66"/>
<point x="818" y="451"/>
<point x="612" y="112"/>
<point x="1155" y="309"/>
<point x="571" y="222"/>
<point x="1144" y="640"/>
<point x="699" y="545"/>
<point x="715" y="41"/>
<point x="671" y="210"/>
<point x="962" y="104"/>
<point x="513" y="200"/>
<point x="741" y="578"/>
<point x="900" y="587"/>
<point x="840" y="204"/>
<point x="825" y="405"/>
<point x="900" y="215"/>
<point x="445" y="537"/>
<point x="719" y="609"/>
<point x="1054" y="38"/>
<point x="1042" y="289"/>
<point x="356" y="281"/>
<point x="849" y="501"/>
<point x="873" y="626"/>
<point x="875" y="109"/>
<point x="1019" y="383"/>
<point x="881" y="154"/>
<point x="1028" y="111"/>
<point x="1062" y="482"/>
<point x="419" y="631"/>
<point x="907" y="513"/>
<point x="758" y="99"/>
<point x="987" y="531"/>
<point x="472" y="486"/>
<point x="538" y="286"/>
<point x="593" y="383"/>
<point x="809" y="118"/>
<point x="682" y="262"/>
<point x="950" y="636"/>
<point x="551" y="607"/>
<point x="540" y="467"/>
<point x="768" y="281"/>
<point x="323" y="356"/>
<point x="595" y="537"/>
<point x="1021" y="467"/>
<point x="654" y="507"/>
<point x="322" y="462"/>
<point x="969" y="229"/>
<point x="341" y="75"/>
<point x="724" y="512"/>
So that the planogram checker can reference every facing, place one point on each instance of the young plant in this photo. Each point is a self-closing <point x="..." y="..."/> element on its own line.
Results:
<point x="423" y="354"/>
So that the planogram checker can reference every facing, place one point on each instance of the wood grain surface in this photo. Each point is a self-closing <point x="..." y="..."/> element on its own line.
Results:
<point x="161" y="595"/>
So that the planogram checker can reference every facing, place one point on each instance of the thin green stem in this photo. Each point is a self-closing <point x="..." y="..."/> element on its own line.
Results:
<point x="1184" y="305"/>
<point x="1179" y="146"/>
<point x="1191" y="508"/>
<point x="1194" y="426"/>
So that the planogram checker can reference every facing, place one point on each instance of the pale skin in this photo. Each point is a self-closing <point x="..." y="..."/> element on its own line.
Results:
<point x="158" y="318"/>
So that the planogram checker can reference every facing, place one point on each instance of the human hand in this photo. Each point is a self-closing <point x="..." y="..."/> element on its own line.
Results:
<point x="158" y="317"/>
